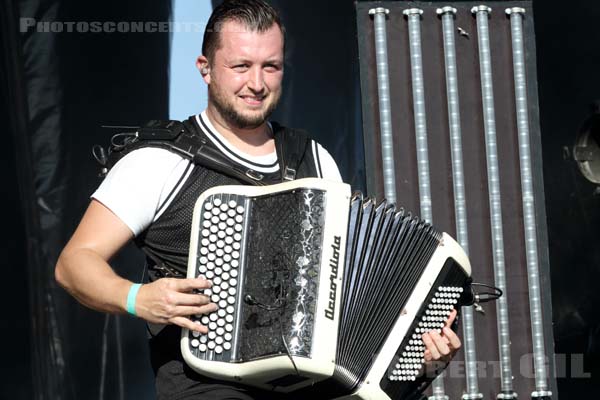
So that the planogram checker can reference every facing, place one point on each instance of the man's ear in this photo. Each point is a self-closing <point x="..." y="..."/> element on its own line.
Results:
<point x="204" y="67"/>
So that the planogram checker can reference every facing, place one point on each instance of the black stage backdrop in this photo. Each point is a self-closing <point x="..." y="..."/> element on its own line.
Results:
<point x="57" y="89"/>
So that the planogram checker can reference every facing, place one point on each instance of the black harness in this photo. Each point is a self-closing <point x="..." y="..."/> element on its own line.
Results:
<point x="184" y="138"/>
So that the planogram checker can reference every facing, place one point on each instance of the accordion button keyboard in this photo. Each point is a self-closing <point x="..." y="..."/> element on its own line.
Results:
<point x="219" y="258"/>
<point x="410" y="360"/>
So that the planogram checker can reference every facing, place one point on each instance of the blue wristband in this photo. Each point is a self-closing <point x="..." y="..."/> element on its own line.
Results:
<point x="133" y="290"/>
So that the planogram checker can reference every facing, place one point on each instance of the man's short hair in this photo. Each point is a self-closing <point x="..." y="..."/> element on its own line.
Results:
<point x="256" y="15"/>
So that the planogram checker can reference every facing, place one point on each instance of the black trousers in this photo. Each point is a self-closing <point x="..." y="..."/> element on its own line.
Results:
<point x="176" y="381"/>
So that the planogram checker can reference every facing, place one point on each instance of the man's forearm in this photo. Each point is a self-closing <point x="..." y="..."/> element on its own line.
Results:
<point x="92" y="281"/>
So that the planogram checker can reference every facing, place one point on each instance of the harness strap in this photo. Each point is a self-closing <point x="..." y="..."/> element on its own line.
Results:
<point x="184" y="138"/>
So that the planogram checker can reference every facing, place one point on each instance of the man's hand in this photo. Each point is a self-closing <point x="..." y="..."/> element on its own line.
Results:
<point x="441" y="347"/>
<point x="173" y="301"/>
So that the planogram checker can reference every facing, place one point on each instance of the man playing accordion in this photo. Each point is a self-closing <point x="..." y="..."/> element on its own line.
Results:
<point x="149" y="195"/>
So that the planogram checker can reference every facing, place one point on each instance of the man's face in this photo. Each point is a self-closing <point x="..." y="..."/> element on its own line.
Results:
<point x="246" y="73"/>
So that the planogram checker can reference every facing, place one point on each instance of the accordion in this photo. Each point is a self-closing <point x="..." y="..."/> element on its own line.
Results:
<point x="319" y="290"/>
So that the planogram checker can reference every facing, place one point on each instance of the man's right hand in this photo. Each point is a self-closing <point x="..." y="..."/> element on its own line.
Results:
<point x="173" y="301"/>
<point x="83" y="270"/>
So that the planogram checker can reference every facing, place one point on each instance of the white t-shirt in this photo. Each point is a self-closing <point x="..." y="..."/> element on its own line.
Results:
<point x="142" y="184"/>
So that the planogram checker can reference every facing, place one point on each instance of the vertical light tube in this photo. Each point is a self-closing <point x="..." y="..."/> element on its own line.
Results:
<point x="487" y="92"/>
<point x="385" y="110"/>
<point x="447" y="14"/>
<point x="418" y="89"/>
<point x="535" y="305"/>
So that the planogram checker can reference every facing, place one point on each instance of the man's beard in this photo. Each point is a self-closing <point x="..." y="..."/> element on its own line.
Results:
<point x="227" y="110"/>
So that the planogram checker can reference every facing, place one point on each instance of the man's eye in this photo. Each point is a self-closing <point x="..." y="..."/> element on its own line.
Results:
<point x="272" y="67"/>
<point x="240" y="67"/>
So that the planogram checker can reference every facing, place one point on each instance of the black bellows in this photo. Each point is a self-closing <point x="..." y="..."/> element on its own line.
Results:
<point x="387" y="251"/>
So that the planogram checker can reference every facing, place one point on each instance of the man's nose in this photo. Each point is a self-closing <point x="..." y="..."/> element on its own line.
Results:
<point x="256" y="81"/>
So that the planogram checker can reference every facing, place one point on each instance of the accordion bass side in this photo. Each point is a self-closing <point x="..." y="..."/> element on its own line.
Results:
<point x="319" y="291"/>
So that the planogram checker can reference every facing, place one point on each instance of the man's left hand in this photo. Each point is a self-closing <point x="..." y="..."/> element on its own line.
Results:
<point x="441" y="346"/>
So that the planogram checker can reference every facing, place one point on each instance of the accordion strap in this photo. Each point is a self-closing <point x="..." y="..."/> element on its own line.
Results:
<point x="184" y="138"/>
<point x="290" y="145"/>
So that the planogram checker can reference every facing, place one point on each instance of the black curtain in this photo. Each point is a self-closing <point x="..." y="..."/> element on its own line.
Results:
<point x="64" y="83"/>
